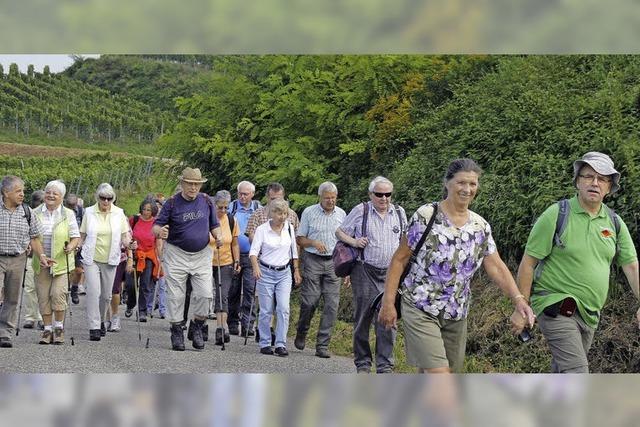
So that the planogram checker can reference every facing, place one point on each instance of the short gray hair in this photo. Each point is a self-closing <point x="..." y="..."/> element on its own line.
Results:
<point x="327" y="186"/>
<point x="222" y="196"/>
<point x="8" y="182"/>
<point x="105" y="190"/>
<point x="278" y="205"/>
<point x="252" y="187"/>
<point x="56" y="185"/>
<point x="379" y="180"/>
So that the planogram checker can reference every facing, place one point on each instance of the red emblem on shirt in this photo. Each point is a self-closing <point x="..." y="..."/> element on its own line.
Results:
<point x="606" y="233"/>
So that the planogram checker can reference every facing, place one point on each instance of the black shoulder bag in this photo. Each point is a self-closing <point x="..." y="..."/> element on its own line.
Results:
<point x="377" y="302"/>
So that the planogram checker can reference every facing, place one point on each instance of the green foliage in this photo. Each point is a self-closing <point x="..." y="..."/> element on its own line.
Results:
<point x="155" y="80"/>
<point x="525" y="123"/>
<point x="55" y="104"/>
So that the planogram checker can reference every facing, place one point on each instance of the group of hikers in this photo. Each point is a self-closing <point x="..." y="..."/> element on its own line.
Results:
<point x="236" y="261"/>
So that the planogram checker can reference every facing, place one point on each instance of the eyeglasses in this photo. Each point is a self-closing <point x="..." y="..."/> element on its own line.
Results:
<point x="381" y="195"/>
<point x="222" y="208"/>
<point x="105" y="199"/>
<point x="591" y="177"/>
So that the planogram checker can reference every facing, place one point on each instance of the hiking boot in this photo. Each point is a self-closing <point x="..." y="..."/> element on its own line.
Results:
<point x="227" y="337"/>
<point x="128" y="312"/>
<point x="219" y="336"/>
<point x="47" y="337"/>
<point x="115" y="324"/>
<point x="233" y="329"/>
<point x="103" y="329"/>
<point x="322" y="353"/>
<point x="246" y="332"/>
<point x="299" y="342"/>
<point x="143" y="317"/>
<point x="183" y="325"/>
<point x="28" y="324"/>
<point x="74" y="295"/>
<point x="281" y="352"/>
<point x="40" y="325"/>
<point x="94" y="334"/>
<point x="177" y="337"/>
<point x="198" y="341"/>
<point x="58" y="336"/>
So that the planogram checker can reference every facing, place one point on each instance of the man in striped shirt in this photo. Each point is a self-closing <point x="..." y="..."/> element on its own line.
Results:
<point x="386" y="223"/>
<point x="316" y="235"/>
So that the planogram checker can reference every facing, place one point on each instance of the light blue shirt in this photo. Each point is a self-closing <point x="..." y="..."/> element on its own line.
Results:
<point x="316" y="224"/>
<point x="242" y="216"/>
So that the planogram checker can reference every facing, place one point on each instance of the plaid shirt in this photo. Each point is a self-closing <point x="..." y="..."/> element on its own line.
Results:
<point x="15" y="233"/>
<point x="261" y="216"/>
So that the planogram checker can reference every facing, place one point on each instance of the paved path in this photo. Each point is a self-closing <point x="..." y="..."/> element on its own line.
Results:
<point x="121" y="352"/>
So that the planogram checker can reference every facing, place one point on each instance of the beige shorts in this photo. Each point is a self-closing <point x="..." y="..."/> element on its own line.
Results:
<point x="433" y="342"/>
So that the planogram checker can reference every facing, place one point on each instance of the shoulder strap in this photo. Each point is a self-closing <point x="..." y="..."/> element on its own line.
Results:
<point x="234" y="207"/>
<point x="395" y="208"/>
<point x="615" y="219"/>
<point x="365" y="216"/>
<point x="416" y="251"/>
<point x="255" y="204"/>
<point x="27" y="213"/>
<point x="561" y="221"/>
<point x="231" y="223"/>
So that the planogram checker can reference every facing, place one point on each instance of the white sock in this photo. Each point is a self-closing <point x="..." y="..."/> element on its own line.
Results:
<point x="57" y="324"/>
<point x="48" y="328"/>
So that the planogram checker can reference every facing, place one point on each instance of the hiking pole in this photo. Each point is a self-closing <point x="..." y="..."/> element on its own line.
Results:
<point x="155" y="292"/>
<point x="220" y="287"/>
<point x="136" y="288"/>
<point x="68" y="291"/>
<point x="24" y="276"/>
<point x="246" y="331"/>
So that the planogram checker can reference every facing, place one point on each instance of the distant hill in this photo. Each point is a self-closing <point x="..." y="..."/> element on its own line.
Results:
<point x="155" y="80"/>
<point x="56" y="104"/>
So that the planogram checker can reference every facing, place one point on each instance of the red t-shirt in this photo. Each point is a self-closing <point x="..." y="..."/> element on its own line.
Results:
<point x="142" y="233"/>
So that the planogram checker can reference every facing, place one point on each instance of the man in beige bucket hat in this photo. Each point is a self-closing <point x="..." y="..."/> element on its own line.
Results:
<point x="566" y="266"/>
<point x="186" y="221"/>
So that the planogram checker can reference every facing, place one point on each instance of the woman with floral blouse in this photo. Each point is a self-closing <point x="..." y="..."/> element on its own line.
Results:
<point x="436" y="291"/>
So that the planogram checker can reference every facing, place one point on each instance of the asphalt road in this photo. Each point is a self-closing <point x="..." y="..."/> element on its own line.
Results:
<point x="124" y="352"/>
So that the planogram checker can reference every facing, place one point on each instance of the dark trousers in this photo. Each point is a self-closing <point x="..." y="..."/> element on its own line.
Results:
<point x="241" y="295"/>
<point x="320" y="280"/>
<point x="366" y="282"/>
<point x="146" y="288"/>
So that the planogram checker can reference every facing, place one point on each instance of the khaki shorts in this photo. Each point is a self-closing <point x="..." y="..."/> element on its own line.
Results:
<point x="433" y="342"/>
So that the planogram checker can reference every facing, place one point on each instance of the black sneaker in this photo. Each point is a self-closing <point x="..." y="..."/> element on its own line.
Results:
<point x="128" y="312"/>
<point x="323" y="353"/>
<point x="94" y="334"/>
<point x="74" y="295"/>
<point x="103" y="329"/>
<point x="5" y="342"/>
<point x="28" y="324"/>
<point x="266" y="350"/>
<point x="281" y="352"/>
<point x="177" y="337"/>
<point x="227" y="337"/>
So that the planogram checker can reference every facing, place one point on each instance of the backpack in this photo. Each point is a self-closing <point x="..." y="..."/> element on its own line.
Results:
<point x="234" y="206"/>
<point x="27" y="213"/>
<point x="561" y="223"/>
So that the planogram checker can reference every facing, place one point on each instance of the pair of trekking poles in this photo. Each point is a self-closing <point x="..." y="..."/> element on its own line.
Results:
<point x="24" y="276"/>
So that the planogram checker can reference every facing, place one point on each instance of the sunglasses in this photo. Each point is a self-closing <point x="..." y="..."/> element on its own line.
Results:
<point x="105" y="199"/>
<point x="381" y="195"/>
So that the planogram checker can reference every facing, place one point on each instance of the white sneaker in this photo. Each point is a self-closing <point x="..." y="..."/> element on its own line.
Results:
<point x="81" y="289"/>
<point x="115" y="324"/>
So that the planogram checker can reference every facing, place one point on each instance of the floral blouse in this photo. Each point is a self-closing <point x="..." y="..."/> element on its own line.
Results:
<point x="440" y="278"/>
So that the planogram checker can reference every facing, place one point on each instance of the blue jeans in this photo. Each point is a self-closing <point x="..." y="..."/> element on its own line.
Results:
<point x="274" y="288"/>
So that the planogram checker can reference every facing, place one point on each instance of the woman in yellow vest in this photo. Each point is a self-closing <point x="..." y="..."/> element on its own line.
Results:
<point x="59" y="241"/>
